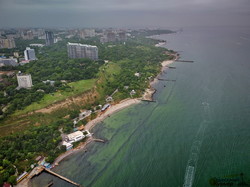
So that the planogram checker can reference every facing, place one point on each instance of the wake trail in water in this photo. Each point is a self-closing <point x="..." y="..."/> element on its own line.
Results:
<point x="195" y="148"/>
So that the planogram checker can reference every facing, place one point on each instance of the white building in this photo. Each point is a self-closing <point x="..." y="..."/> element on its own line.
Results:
<point x="24" y="80"/>
<point x="105" y="107"/>
<point x="29" y="54"/>
<point x="137" y="74"/>
<point x="133" y="92"/>
<point x="52" y="83"/>
<point x="88" y="134"/>
<point x="68" y="145"/>
<point x="75" y="136"/>
<point x="36" y="45"/>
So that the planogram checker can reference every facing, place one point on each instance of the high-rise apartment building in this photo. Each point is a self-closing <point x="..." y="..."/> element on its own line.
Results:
<point x="24" y="80"/>
<point x="7" y="43"/>
<point x="49" y="38"/>
<point x="29" y="54"/>
<point x="77" y="50"/>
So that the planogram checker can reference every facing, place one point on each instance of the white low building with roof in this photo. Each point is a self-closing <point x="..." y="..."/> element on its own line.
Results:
<point x="75" y="137"/>
<point x="105" y="107"/>
<point x="67" y="145"/>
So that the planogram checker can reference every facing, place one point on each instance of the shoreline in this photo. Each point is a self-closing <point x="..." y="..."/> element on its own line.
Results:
<point x="148" y="95"/>
<point x="111" y="110"/>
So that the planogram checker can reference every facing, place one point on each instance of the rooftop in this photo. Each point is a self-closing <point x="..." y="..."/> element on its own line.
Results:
<point x="22" y="74"/>
<point x="75" y="134"/>
<point x="82" y="45"/>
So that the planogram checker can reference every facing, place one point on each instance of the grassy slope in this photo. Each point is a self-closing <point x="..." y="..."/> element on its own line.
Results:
<point x="77" y="88"/>
<point x="107" y="73"/>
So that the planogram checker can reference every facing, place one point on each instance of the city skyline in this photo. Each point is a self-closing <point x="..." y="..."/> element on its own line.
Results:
<point x="111" y="13"/>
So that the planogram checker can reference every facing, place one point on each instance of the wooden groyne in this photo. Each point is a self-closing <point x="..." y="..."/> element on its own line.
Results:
<point x="99" y="140"/>
<point x="61" y="177"/>
<point x="170" y="67"/>
<point x="190" y="61"/>
<point x="49" y="184"/>
<point x="166" y="80"/>
<point x="145" y="100"/>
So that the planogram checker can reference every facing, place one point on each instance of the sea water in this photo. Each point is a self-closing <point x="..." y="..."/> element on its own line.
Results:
<point x="196" y="134"/>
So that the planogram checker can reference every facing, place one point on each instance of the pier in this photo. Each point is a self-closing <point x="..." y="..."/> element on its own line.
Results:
<point x="170" y="67"/>
<point x="145" y="100"/>
<point x="166" y="80"/>
<point x="37" y="171"/>
<point x="61" y="177"/>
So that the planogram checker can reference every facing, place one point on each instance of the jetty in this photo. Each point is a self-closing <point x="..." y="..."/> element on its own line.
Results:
<point x="147" y="100"/>
<point x="61" y="177"/>
<point x="99" y="140"/>
<point x="49" y="184"/>
<point x="166" y="80"/>
<point x="190" y="61"/>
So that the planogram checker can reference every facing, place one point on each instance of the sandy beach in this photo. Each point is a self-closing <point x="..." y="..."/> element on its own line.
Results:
<point x="111" y="110"/>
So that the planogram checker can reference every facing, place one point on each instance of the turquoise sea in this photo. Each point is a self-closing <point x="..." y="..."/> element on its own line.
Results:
<point x="196" y="134"/>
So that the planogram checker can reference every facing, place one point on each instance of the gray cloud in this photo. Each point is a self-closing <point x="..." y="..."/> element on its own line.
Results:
<point x="94" y="13"/>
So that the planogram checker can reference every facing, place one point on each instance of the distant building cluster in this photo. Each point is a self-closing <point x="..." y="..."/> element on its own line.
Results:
<point x="105" y="35"/>
<point x="86" y="33"/>
<point x="31" y="34"/>
<point x="7" y="43"/>
<point x="113" y="36"/>
<point x="77" y="50"/>
<point x="25" y="34"/>
<point x="8" y="62"/>
<point x="28" y="35"/>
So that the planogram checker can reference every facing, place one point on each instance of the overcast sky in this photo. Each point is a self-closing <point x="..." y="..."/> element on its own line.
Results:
<point x="124" y="13"/>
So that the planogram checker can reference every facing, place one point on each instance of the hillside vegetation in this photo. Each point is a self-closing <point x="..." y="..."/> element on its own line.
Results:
<point x="27" y="132"/>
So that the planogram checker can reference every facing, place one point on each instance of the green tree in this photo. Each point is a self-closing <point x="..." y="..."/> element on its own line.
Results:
<point x="12" y="180"/>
